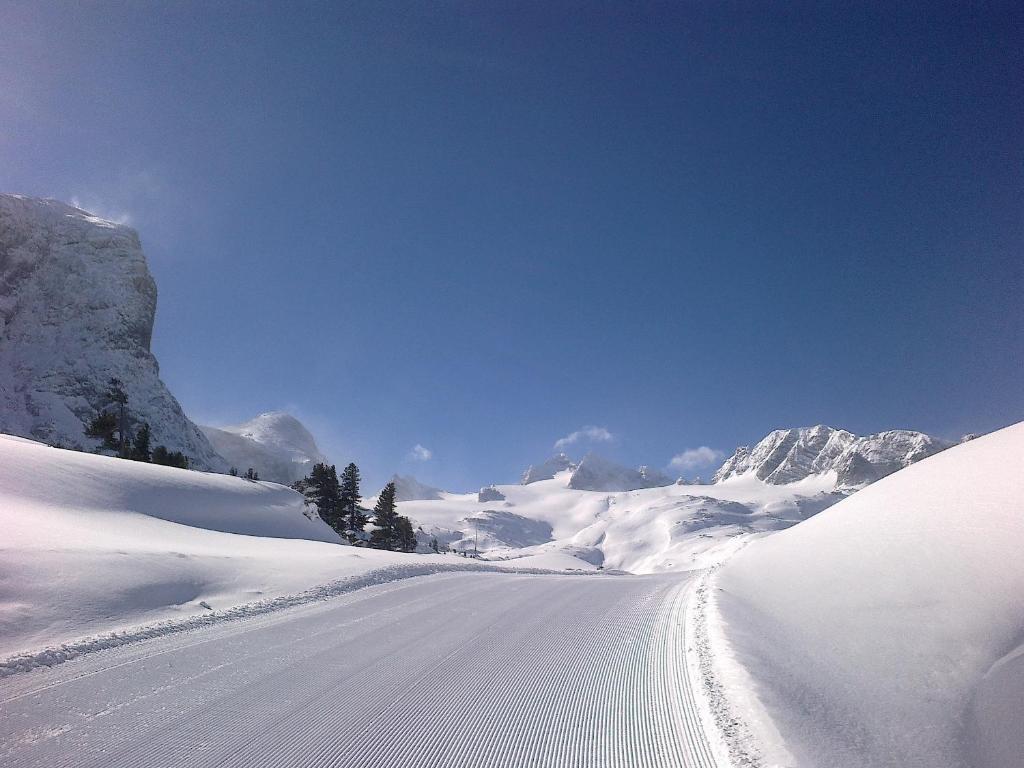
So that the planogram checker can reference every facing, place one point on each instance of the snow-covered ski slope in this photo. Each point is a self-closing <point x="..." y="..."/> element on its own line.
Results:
<point x="651" y="530"/>
<point x="478" y="669"/>
<point x="889" y="629"/>
<point x="92" y="545"/>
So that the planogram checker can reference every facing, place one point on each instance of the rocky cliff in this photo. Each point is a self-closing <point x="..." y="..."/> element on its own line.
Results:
<point x="77" y="304"/>
<point x="789" y="455"/>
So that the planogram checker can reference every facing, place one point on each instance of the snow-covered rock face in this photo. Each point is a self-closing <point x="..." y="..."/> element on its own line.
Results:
<point x="408" y="488"/>
<point x="275" y="444"/>
<point x="595" y="473"/>
<point x="548" y="469"/>
<point x="77" y="304"/>
<point x="490" y="493"/>
<point x="790" y="455"/>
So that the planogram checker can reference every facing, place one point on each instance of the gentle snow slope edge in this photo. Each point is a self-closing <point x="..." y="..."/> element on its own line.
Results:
<point x="870" y="627"/>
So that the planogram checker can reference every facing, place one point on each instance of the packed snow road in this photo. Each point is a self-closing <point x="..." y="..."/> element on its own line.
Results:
<point x="455" y="669"/>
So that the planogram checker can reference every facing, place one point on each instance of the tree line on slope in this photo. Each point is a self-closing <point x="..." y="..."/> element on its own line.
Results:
<point x="338" y="503"/>
<point x="337" y="500"/>
<point x="113" y="428"/>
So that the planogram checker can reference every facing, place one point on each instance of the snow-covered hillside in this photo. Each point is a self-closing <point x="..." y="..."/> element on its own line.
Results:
<point x="77" y="305"/>
<point x="888" y="630"/>
<point x="275" y="444"/>
<point x="639" y="520"/>
<point x="788" y="455"/>
<point x="674" y="527"/>
<point x="92" y="543"/>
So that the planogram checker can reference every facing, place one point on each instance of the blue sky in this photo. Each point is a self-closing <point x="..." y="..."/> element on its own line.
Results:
<point x="479" y="228"/>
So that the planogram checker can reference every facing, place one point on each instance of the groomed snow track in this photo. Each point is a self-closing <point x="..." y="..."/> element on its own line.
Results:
<point x="456" y="669"/>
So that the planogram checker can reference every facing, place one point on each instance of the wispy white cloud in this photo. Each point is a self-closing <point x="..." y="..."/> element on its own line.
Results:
<point x="593" y="434"/>
<point x="136" y="197"/>
<point x="101" y="211"/>
<point x="695" y="458"/>
<point x="419" y="453"/>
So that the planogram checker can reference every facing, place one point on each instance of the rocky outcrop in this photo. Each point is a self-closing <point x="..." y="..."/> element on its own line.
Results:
<point x="77" y="305"/>
<point x="789" y="455"/>
<point x="490" y="493"/>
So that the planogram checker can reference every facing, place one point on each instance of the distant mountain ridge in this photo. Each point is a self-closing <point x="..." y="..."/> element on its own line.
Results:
<point x="595" y="473"/>
<point x="548" y="469"/>
<point x="789" y="455"/>
<point x="408" y="488"/>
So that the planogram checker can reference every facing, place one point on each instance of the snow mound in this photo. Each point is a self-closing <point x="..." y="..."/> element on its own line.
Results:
<point x="790" y="455"/>
<point x="275" y="444"/>
<point x="887" y="630"/>
<point x="77" y="304"/>
<point x="92" y="542"/>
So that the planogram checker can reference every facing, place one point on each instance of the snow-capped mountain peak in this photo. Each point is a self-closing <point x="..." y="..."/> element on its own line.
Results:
<point x="276" y="444"/>
<point x="408" y="488"/>
<point x="789" y="455"/>
<point x="548" y="469"/>
<point x="595" y="473"/>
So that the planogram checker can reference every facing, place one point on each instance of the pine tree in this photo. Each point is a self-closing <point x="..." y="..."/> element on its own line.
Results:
<point x="406" y="536"/>
<point x="104" y="427"/>
<point x="385" y="536"/>
<point x="354" y="515"/>
<point x="169" y="458"/>
<point x="434" y="545"/>
<point x="117" y="395"/>
<point x="323" y="489"/>
<point x="140" y="446"/>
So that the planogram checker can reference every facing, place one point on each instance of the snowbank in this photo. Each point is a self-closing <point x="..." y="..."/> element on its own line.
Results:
<point x="889" y="629"/>
<point x="92" y="544"/>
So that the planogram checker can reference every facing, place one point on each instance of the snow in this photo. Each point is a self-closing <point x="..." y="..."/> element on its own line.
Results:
<point x="669" y="528"/>
<point x="275" y="444"/>
<point x="94" y="544"/>
<point x="548" y="469"/>
<point x="549" y="561"/>
<point x="455" y="669"/>
<point x="887" y="630"/>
